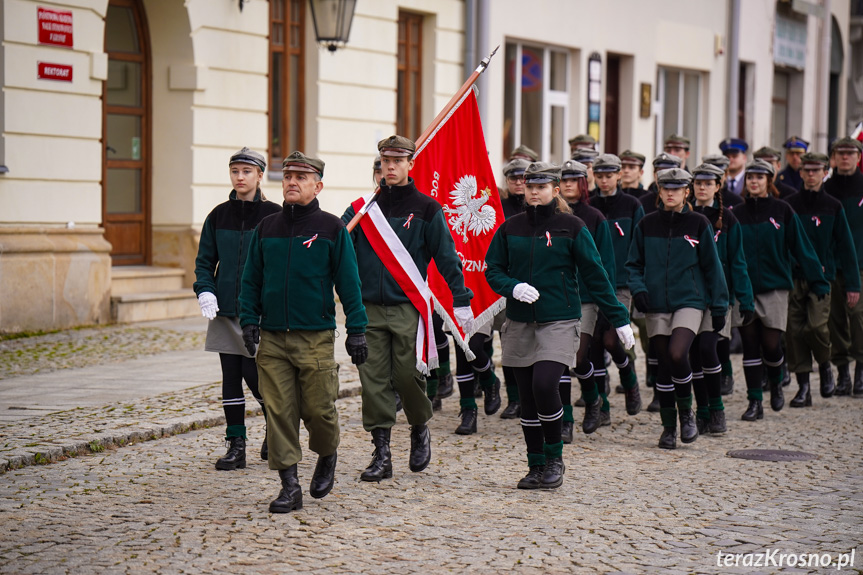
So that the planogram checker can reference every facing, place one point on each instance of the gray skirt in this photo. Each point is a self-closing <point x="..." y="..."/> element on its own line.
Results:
<point x="707" y="324"/>
<point x="772" y="308"/>
<point x="589" y="314"/>
<point x="524" y="344"/>
<point x="224" y="335"/>
<point x="665" y="323"/>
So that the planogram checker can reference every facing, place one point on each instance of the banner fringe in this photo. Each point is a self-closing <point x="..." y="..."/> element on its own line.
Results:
<point x="450" y="326"/>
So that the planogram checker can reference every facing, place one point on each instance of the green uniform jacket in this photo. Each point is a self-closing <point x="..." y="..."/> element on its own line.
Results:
<point x="849" y="191"/>
<point x="772" y="240"/>
<point x="418" y="221"/>
<point x="674" y="259"/>
<point x="548" y="250"/>
<point x="623" y="213"/>
<point x="823" y="219"/>
<point x="296" y="258"/>
<point x="729" y="246"/>
<point x="598" y="228"/>
<point x="224" y="246"/>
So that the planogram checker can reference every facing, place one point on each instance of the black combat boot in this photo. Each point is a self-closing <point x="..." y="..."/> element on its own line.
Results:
<point x="552" y="475"/>
<point x="858" y="380"/>
<point x="265" y="452"/>
<point x="604" y="418"/>
<point x="235" y="458"/>
<point x="491" y="403"/>
<point x="533" y="479"/>
<point x="437" y="404"/>
<point x="566" y="431"/>
<point x="633" y="400"/>
<point x="777" y="398"/>
<point x="688" y="427"/>
<point x="468" y="422"/>
<point x="445" y="386"/>
<point x="591" y="420"/>
<point x="804" y="395"/>
<point x="754" y="411"/>
<point x="843" y="382"/>
<point x="291" y="496"/>
<point x="653" y="406"/>
<point x="579" y="402"/>
<point x="726" y="384"/>
<point x="324" y="476"/>
<point x="668" y="439"/>
<point x="828" y="386"/>
<point x="420" y="448"/>
<point x="717" y="425"/>
<point x="702" y="423"/>
<point x="511" y="411"/>
<point x="381" y="466"/>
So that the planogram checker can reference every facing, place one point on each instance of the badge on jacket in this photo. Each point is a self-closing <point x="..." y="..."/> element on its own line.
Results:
<point x="692" y="241"/>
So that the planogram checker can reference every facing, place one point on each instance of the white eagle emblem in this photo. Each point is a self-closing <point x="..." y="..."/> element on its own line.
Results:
<point x="470" y="213"/>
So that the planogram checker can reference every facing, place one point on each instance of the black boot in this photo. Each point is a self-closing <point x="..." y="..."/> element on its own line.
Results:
<point x="445" y="386"/>
<point x="552" y="475"/>
<point x="843" y="382"/>
<point x="398" y="401"/>
<point x="566" y="431"/>
<point x="491" y="403"/>
<point x="828" y="386"/>
<point x="668" y="439"/>
<point x="468" y="422"/>
<point x="477" y="388"/>
<point x="717" y="426"/>
<point x="324" y="477"/>
<point x="511" y="411"/>
<point x="633" y="400"/>
<point x="381" y="466"/>
<point x="777" y="398"/>
<point x="420" y="448"/>
<point x="726" y="384"/>
<point x="604" y="418"/>
<point x="858" y="380"/>
<point x="437" y="405"/>
<point x="291" y="496"/>
<point x="235" y="458"/>
<point x="702" y="423"/>
<point x="265" y="452"/>
<point x="653" y="406"/>
<point x="754" y="411"/>
<point x="804" y="395"/>
<point x="688" y="427"/>
<point x="590" y="423"/>
<point x="786" y="374"/>
<point x="533" y="479"/>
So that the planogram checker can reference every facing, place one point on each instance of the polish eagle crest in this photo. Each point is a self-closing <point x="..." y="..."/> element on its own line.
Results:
<point x="470" y="212"/>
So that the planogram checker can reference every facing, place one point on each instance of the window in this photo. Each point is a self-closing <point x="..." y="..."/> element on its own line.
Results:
<point x="536" y="101"/>
<point x="779" y="129"/>
<point x="678" y="98"/>
<point x="287" y="75"/>
<point x="409" y="95"/>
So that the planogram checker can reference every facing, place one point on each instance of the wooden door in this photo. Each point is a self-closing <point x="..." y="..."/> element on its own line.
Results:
<point x="612" y="106"/>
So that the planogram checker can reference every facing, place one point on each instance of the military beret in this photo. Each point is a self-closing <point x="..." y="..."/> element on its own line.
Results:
<point x="515" y="167"/>
<point x="664" y="161"/>
<point x="795" y="144"/>
<point x="524" y="152"/>
<point x="673" y="178"/>
<point x="398" y="146"/>
<point x="299" y="162"/>
<point x="542" y="173"/>
<point x="814" y="158"/>
<point x="377" y="163"/>
<point x="717" y="160"/>
<point x="846" y="143"/>
<point x="767" y="153"/>
<point x="583" y="140"/>
<point x="585" y="155"/>
<point x="247" y="156"/>
<point x="733" y="145"/>
<point x="606" y="163"/>
<point x="760" y="167"/>
<point x="633" y="158"/>
<point x="707" y="171"/>
<point x="572" y="169"/>
<point x="675" y="140"/>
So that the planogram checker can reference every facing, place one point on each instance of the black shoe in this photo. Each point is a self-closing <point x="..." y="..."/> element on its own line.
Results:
<point x="491" y="403"/>
<point x="477" y="388"/>
<point x="511" y="411"/>
<point x="468" y="422"/>
<point x="726" y="385"/>
<point x="786" y="375"/>
<point x="843" y="382"/>
<point x="579" y="402"/>
<point x="533" y="479"/>
<point x="324" y="476"/>
<point x="445" y="386"/>
<point x="235" y="458"/>
<point x="566" y="431"/>
<point x="291" y="496"/>
<point x="858" y="380"/>
<point x="398" y="401"/>
<point x="590" y="423"/>
<point x="754" y="411"/>
<point x="619" y="389"/>
<point x="765" y="384"/>
<point x="633" y="400"/>
<point x="803" y="397"/>
<point x="437" y="404"/>
<point x="716" y="425"/>
<point x="265" y="452"/>
<point x="381" y="466"/>
<point x="668" y="439"/>
<point x="604" y="418"/>
<point x="552" y="475"/>
<point x="777" y="397"/>
<point x="688" y="427"/>
<point x="420" y="448"/>
<point x="702" y="424"/>
<point x="653" y="406"/>
<point x="828" y="385"/>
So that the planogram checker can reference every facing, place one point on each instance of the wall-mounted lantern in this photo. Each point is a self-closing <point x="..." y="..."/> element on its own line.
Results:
<point x="332" y="19"/>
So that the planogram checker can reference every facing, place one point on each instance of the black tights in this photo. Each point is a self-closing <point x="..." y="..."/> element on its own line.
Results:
<point x="236" y="368"/>
<point x="675" y="372"/>
<point x="541" y="409"/>
<point x="465" y="369"/>
<point x="760" y="342"/>
<point x="582" y="366"/>
<point x="706" y="369"/>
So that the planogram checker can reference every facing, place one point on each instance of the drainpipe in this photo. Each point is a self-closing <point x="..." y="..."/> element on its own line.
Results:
<point x="482" y="46"/>
<point x="732" y="98"/>
<point x="824" y="78"/>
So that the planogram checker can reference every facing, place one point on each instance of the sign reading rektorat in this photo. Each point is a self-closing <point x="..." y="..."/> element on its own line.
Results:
<point x="55" y="27"/>
<point x="48" y="71"/>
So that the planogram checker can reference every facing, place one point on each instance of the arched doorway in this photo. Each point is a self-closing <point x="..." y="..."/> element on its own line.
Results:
<point x="126" y="134"/>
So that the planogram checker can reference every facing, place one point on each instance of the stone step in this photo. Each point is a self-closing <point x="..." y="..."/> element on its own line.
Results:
<point x="155" y="305"/>
<point x="141" y="279"/>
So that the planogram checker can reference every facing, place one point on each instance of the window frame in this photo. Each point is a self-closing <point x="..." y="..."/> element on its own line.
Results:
<point x="409" y="118"/>
<point x="695" y="139"/>
<point x="285" y="106"/>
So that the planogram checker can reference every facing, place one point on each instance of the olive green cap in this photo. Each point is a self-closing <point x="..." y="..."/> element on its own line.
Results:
<point x="630" y="157"/>
<point x="846" y="143"/>
<point x="299" y="162"/>
<point x="760" y="167"/>
<point x="572" y="169"/>
<point x="583" y="140"/>
<point x="767" y="153"/>
<point x="247" y="156"/>
<point x="810" y="158"/>
<point x="681" y="141"/>
<point x="664" y="161"/>
<point x="524" y="152"/>
<point x="673" y="178"/>
<point x="397" y="146"/>
<point x="542" y="173"/>
<point x="718" y="160"/>
<point x="707" y="171"/>
<point x="606" y="163"/>
<point x="515" y="167"/>
<point x="585" y="155"/>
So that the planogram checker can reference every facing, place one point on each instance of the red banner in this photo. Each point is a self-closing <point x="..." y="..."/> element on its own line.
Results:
<point x="453" y="168"/>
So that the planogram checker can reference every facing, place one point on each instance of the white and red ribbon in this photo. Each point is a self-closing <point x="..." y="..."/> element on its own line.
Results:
<point x="716" y="236"/>
<point x="407" y="223"/>
<point x="817" y="221"/>
<point x="619" y="229"/>
<point x="548" y="237"/>
<point x="308" y="242"/>
<point x="692" y="241"/>
<point x="775" y="223"/>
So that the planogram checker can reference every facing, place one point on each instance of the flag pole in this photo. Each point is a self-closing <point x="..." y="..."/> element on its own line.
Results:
<point x="431" y="128"/>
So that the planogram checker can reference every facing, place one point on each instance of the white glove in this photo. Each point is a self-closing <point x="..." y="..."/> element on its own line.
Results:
<point x="525" y="292"/>
<point x="209" y="304"/>
<point x="627" y="338"/>
<point x="464" y="317"/>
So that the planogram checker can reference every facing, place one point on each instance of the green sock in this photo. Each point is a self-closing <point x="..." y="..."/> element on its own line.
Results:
<point x="512" y="393"/>
<point x="605" y="405"/>
<point x="702" y="412"/>
<point x="443" y="369"/>
<point x="668" y="415"/>
<point x="235" y="431"/>
<point x="486" y="378"/>
<point x="589" y="392"/>
<point x="628" y="381"/>
<point x="716" y="404"/>
<point x="684" y="403"/>
<point x="467" y="403"/>
<point x="726" y="368"/>
<point x="567" y="414"/>
<point x="756" y="393"/>
<point x="553" y="450"/>
<point x="431" y="386"/>
<point x="534" y="459"/>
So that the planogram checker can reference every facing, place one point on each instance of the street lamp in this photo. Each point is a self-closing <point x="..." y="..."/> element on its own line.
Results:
<point x="332" y="19"/>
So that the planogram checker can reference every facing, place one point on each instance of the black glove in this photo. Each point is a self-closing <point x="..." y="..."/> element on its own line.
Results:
<point x="251" y="337"/>
<point x="718" y="322"/>
<point x="357" y="348"/>
<point x="641" y="301"/>
<point x="748" y="316"/>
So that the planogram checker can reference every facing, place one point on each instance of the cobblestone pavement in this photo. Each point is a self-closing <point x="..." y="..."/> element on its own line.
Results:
<point x="625" y="506"/>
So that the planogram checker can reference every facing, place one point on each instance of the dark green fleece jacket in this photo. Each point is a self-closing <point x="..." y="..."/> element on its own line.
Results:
<point x="729" y="246"/>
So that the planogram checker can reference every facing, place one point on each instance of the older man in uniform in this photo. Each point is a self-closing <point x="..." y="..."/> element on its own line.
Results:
<point x="794" y="148"/>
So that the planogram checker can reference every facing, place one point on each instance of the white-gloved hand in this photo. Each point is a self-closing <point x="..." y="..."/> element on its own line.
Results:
<point x="209" y="304"/>
<point x="627" y="338"/>
<point x="525" y="292"/>
<point x="464" y="317"/>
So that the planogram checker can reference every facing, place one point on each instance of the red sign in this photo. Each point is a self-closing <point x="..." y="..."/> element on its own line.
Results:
<point x="61" y="72"/>
<point x="55" y="27"/>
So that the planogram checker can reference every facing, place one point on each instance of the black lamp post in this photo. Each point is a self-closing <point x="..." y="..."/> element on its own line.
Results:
<point x="332" y="20"/>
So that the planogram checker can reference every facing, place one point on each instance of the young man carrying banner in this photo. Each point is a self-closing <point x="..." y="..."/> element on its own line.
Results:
<point x="401" y="233"/>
